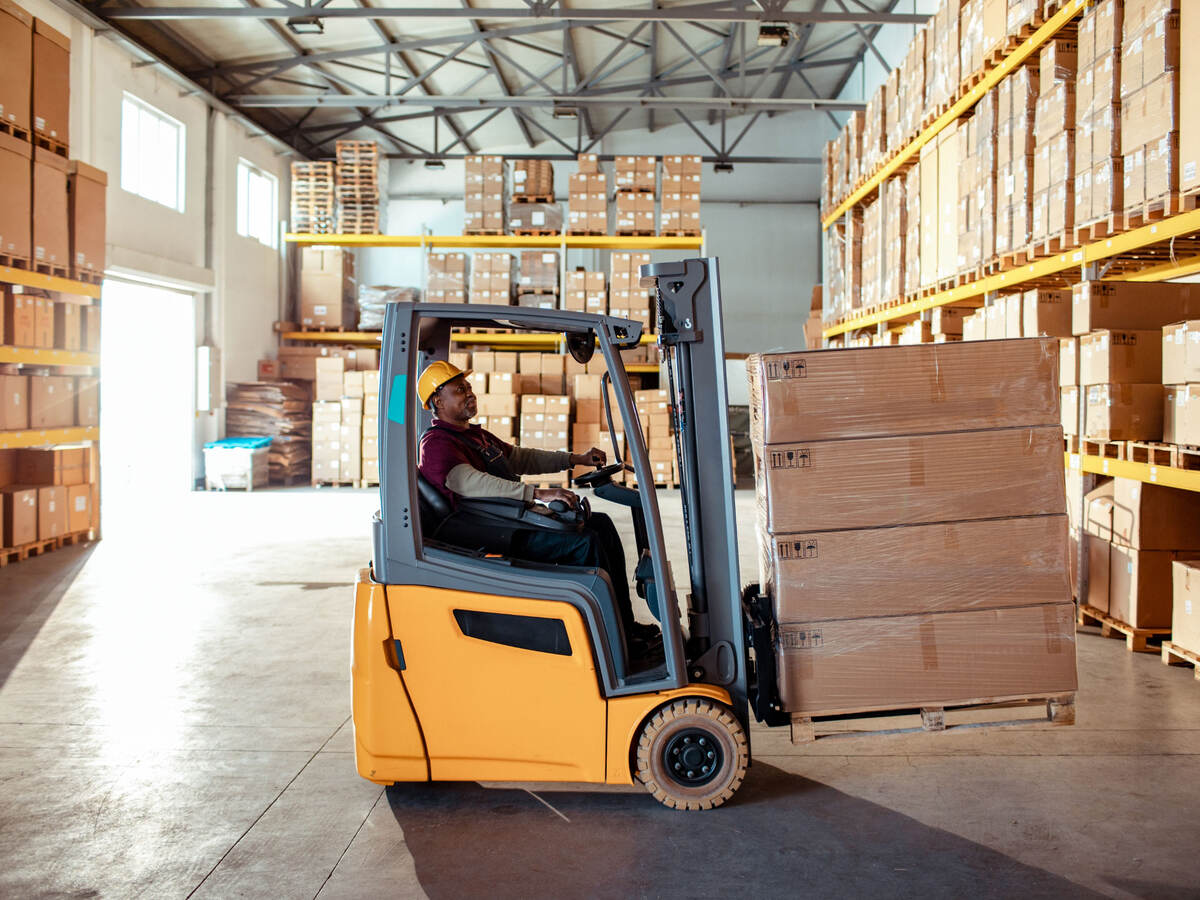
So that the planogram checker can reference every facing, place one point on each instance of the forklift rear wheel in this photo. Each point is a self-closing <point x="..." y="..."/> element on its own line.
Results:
<point x="692" y="754"/>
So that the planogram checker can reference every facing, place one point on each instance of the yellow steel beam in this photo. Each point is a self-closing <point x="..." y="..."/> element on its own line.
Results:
<point x="1128" y="242"/>
<point x="1167" y="476"/>
<point x="9" y="275"/>
<point x="367" y="338"/>
<point x="32" y="356"/>
<point x="993" y="78"/>
<point x="500" y="241"/>
<point x="1166" y="271"/>
<point x="10" y="439"/>
<point x="523" y="339"/>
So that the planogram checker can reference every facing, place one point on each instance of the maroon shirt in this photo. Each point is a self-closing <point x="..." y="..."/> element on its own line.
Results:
<point x="443" y="447"/>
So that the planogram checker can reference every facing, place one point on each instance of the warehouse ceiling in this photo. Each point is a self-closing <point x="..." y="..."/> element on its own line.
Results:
<point x="451" y="77"/>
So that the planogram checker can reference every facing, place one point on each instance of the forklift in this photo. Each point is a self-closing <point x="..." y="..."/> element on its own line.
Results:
<point x="473" y="666"/>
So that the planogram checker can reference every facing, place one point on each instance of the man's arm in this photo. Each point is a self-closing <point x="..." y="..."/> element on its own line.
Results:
<point x="532" y="461"/>
<point x="467" y="481"/>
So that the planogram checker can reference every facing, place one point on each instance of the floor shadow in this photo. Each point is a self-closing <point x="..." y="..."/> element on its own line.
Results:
<point x="30" y="591"/>
<point x="783" y="835"/>
<point x="1155" y="890"/>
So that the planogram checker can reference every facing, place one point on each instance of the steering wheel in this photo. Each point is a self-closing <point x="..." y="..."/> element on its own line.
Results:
<point x="599" y="476"/>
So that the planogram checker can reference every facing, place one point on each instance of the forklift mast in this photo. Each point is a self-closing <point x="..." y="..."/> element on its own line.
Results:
<point x="692" y="341"/>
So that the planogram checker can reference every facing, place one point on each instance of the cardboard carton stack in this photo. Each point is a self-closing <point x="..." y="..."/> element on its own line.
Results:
<point x="680" y="214"/>
<point x="1181" y="378"/>
<point x="280" y="410"/>
<point x="328" y="289"/>
<point x="533" y="210"/>
<point x="894" y="212"/>
<point x="911" y="100"/>
<point x="587" y="415"/>
<point x="871" y="279"/>
<point x="636" y="182"/>
<point x="370" y="428"/>
<point x="492" y="278"/>
<point x="313" y="198"/>
<point x="495" y="383"/>
<point x="882" y="476"/>
<point x="539" y="279"/>
<point x="1150" y="48"/>
<point x="1016" y="104"/>
<point x="942" y="69"/>
<point x="546" y="425"/>
<point x="1135" y="532"/>
<point x="1185" y="615"/>
<point x="874" y="143"/>
<point x="654" y="412"/>
<point x="38" y="402"/>
<point x="447" y="278"/>
<point x="977" y="185"/>
<point x="627" y="299"/>
<point x="299" y="363"/>
<point x="588" y="198"/>
<point x="29" y="320"/>
<point x="337" y="423"/>
<point x="47" y="493"/>
<point x="1099" y="170"/>
<point x="912" y="231"/>
<point x="585" y="292"/>
<point x="362" y="183"/>
<point x="1054" y="141"/>
<point x="86" y="211"/>
<point x="484" y="195"/>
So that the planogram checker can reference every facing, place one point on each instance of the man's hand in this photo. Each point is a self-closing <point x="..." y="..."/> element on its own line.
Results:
<point x="593" y="457"/>
<point x="546" y="495"/>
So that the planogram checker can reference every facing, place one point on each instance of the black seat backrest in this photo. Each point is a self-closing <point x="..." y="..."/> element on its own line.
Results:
<point x="435" y="508"/>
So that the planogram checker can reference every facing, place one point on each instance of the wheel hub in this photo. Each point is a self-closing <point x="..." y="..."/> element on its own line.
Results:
<point x="693" y="757"/>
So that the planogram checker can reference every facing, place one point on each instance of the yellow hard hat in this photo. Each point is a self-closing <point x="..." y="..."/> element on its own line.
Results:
<point x="435" y="375"/>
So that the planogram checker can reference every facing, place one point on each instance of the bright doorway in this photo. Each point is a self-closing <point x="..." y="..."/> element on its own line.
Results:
<point x="147" y="403"/>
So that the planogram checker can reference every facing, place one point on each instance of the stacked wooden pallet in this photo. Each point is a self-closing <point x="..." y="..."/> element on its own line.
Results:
<point x="361" y="187"/>
<point x="312" y="197"/>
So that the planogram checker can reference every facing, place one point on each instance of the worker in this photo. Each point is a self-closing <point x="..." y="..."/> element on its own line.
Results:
<point x="464" y="460"/>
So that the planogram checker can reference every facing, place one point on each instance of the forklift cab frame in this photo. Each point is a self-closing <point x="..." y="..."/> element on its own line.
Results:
<point x="540" y="609"/>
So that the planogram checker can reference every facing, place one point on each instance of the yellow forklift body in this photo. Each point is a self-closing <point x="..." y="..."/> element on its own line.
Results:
<point x="447" y="707"/>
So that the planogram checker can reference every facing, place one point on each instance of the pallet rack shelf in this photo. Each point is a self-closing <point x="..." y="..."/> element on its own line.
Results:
<point x="500" y="241"/>
<point x="991" y="78"/>
<point x="32" y="356"/>
<point x="38" y="438"/>
<point x="1166" y="476"/>
<point x="26" y="278"/>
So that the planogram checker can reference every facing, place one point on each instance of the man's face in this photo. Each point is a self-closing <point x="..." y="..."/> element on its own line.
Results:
<point x="455" y="401"/>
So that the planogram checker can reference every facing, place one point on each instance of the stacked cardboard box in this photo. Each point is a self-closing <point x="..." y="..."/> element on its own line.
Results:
<point x="1099" y="175"/>
<point x="546" y="425"/>
<point x="912" y="232"/>
<point x="1120" y="375"/>
<point x="585" y="292"/>
<point x="636" y="182"/>
<point x="373" y="300"/>
<point x="484" y="195"/>
<point x="1134" y="533"/>
<point x="539" y="274"/>
<point x="47" y="493"/>
<point x="942" y="68"/>
<point x="1189" y="102"/>
<point x="1016" y="104"/>
<point x="1185" y="616"/>
<point x="50" y="231"/>
<point x="492" y="278"/>
<point x="894" y="233"/>
<point x="534" y="217"/>
<point x="327" y="289"/>
<point x="533" y="181"/>
<point x="362" y="183"/>
<point x="905" y="467"/>
<point x="312" y="198"/>
<point x="495" y="383"/>
<point x="654" y="413"/>
<point x="636" y="173"/>
<point x="627" y="299"/>
<point x="299" y="363"/>
<point x="977" y="185"/>
<point x="86" y="187"/>
<point x="27" y="320"/>
<point x="680" y="212"/>
<point x="588" y="198"/>
<point x="1150" y="55"/>
<point x="41" y="402"/>
<point x="1054" y="141"/>
<point x="280" y="410"/>
<point x="447" y="279"/>
<point x="370" y="427"/>
<point x="911" y="99"/>
<point x="587" y="415"/>
<point x="16" y="86"/>
<point x="1181" y="380"/>
<point x="337" y="429"/>
<point x="871" y="279"/>
<point x="874" y="141"/>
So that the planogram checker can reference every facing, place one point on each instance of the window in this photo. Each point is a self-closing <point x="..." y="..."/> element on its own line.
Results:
<point x="151" y="153"/>
<point x="257" y="198"/>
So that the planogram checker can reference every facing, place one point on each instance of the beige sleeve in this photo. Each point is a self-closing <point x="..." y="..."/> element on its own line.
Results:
<point x="532" y="461"/>
<point x="467" y="481"/>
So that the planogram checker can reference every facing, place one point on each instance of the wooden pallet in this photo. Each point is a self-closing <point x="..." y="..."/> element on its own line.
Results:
<point x="312" y="170"/>
<point x="368" y="483"/>
<point x="42" y="547"/>
<point x="1174" y="655"/>
<point x="1098" y="229"/>
<point x="54" y="145"/>
<point x="536" y="232"/>
<point x="1135" y="638"/>
<point x="1153" y="211"/>
<point x="488" y="232"/>
<point x="519" y="199"/>
<point x="1151" y="453"/>
<point x="52" y="270"/>
<point x="681" y="232"/>
<point x="21" y="134"/>
<point x="634" y="190"/>
<point x="1104" y="449"/>
<point x="14" y="262"/>
<point x="634" y="232"/>
<point x="319" y="483"/>
<point x="87" y="276"/>
<point x="585" y="232"/>
<point x="1059" y="710"/>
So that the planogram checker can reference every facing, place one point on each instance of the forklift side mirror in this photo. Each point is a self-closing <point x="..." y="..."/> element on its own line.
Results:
<point x="581" y="346"/>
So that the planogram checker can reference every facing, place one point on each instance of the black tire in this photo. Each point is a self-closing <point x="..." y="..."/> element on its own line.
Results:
<point x="692" y="754"/>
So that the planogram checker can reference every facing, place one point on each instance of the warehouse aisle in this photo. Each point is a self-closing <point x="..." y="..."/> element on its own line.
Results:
<point x="174" y="710"/>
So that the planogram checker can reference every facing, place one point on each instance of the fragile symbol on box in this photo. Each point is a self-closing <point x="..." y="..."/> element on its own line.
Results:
<point x="803" y="549"/>
<point x="787" y="368"/>
<point x="809" y="639"/>
<point x="791" y="459"/>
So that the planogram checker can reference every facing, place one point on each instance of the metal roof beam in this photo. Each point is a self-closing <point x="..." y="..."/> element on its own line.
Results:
<point x="746" y="104"/>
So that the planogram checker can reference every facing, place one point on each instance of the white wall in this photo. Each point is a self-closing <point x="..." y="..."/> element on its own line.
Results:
<point x="237" y="282"/>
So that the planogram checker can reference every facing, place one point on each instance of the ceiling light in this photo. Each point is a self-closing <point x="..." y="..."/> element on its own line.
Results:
<point x="434" y="164"/>
<point x="565" y="112"/>
<point x="306" y="25"/>
<point x="773" y="35"/>
<point x="723" y="167"/>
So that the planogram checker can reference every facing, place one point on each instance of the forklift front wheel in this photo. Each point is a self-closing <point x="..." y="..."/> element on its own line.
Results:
<point x="692" y="754"/>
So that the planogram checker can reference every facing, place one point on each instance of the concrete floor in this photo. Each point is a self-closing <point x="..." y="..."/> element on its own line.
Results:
<point x="174" y="721"/>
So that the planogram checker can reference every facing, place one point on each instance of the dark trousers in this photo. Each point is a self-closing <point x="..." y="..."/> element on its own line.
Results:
<point x="597" y="546"/>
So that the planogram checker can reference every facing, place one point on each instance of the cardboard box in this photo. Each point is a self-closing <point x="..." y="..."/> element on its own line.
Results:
<point x="79" y="508"/>
<point x="910" y="480"/>
<point x="1185" y="613"/>
<point x="20" y="515"/>
<point x="1124" y="357"/>
<point x="52" y="511"/>
<point x="855" y="665"/>
<point x="51" y="401"/>
<point x="43" y="322"/>
<point x="1124" y="412"/>
<point x="1068" y="361"/>
<point x="327" y="288"/>
<point x="1181" y="414"/>
<point x="68" y="329"/>
<point x="1070" y="410"/>
<point x="1131" y="305"/>
<point x="817" y="576"/>
<point x="1046" y="312"/>
<point x="1099" y="553"/>
<point x="824" y="394"/>
<point x="16" y="49"/>
<point x="1181" y="352"/>
<point x="1140" y="586"/>
<point x="16" y="176"/>
<point x="1189" y="105"/>
<point x="51" y="82"/>
<point x="1151" y="517"/>
<point x="14" y="402"/>
<point x="86" y="191"/>
<point x="59" y="465"/>
<point x="50" y="235"/>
